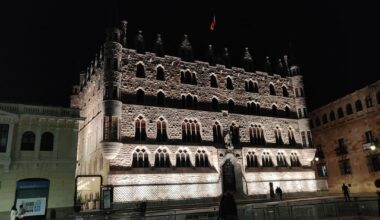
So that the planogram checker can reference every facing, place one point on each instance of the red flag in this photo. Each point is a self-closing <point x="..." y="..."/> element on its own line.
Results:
<point x="212" y="26"/>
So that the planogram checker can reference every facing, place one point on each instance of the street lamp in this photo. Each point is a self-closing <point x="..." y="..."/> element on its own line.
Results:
<point x="316" y="159"/>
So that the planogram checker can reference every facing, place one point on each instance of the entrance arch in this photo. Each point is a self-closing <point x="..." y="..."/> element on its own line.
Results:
<point x="231" y="172"/>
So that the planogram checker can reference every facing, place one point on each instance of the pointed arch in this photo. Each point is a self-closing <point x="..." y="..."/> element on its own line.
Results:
<point x="217" y="132"/>
<point x="140" y="158"/>
<point x="231" y="106"/>
<point x="278" y="136"/>
<point x="266" y="159"/>
<point x="140" y="96"/>
<point x="162" y="135"/>
<point x="162" y="158"/>
<point x="201" y="158"/>
<point x="229" y="85"/>
<point x="213" y="81"/>
<point x="140" y="128"/>
<point x="292" y="140"/>
<point x="191" y="131"/>
<point x="160" y="73"/>
<point x="272" y="91"/>
<point x="235" y="135"/>
<point x="287" y="111"/>
<point x="215" y="104"/>
<point x="183" y="158"/>
<point x="281" y="160"/>
<point x="285" y="92"/>
<point x="274" y="110"/>
<point x="140" y="70"/>
<point x="161" y="98"/>
<point x="252" y="159"/>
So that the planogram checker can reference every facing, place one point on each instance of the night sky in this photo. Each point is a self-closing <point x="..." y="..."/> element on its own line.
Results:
<point x="44" y="44"/>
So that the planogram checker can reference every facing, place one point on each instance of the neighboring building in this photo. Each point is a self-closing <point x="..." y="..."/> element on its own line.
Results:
<point x="156" y="125"/>
<point x="37" y="149"/>
<point x="346" y="133"/>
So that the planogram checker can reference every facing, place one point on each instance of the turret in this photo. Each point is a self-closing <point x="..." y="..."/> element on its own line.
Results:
<point x="111" y="99"/>
<point x="159" y="46"/>
<point x="247" y="61"/>
<point x="226" y="60"/>
<point x="186" y="50"/>
<point x="140" y="43"/>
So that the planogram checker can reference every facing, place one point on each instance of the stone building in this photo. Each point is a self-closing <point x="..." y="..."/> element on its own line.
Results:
<point x="346" y="134"/>
<point x="156" y="125"/>
<point x="37" y="148"/>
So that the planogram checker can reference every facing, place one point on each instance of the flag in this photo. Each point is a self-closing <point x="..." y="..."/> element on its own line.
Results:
<point x="212" y="26"/>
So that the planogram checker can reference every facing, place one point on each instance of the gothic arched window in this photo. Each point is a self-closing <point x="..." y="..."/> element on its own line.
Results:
<point x="266" y="160"/>
<point x="213" y="82"/>
<point x="294" y="160"/>
<point x="278" y="136"/>
<point x="272" y="91"/>
<point x="215" y="104"/>
<point x="183" y="159"/>
<point x="324" y="119"/>
<point x="358" y="105"/>
<point x="235" y="138"/>
<point x="140" y="72"/>
<point x="292" y="140"/>
<point x="140" y="129"/>
<point x="217" y="133"/>
<point x="140" y="159"/>
<point x="230" y="85"/>
<point x="287" y="111"/>
<point x="160" y="99"/>
<point x="201" y="159"/>
<point x="252" y="159"/>
<point x="27" y="141"/>
<point x="140" y="96"/>
<point x="160" y="73"/>
<point x="161" y="158"/>
<point x="47" y="142"/>
<point x="191" y="131"/>
<point x="231" y="106"/>
<point x="161" y="130"/>
<point x="281" y="161"/>
<point x="274" y="110"/>
<point x="285" y="92"/>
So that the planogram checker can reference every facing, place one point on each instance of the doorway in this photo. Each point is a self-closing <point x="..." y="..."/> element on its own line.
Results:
<point x="229" y="183"/>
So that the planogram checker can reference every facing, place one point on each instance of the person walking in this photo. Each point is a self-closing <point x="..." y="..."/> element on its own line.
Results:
<point x="346" y="192"/>
<point x="280" y="192"/>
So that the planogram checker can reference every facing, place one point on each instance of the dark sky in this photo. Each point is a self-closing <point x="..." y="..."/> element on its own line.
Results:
<point x="44" y="44"/>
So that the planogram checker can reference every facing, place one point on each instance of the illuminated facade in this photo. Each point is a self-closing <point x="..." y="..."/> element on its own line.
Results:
<point x="346" y="133"/>
<point x="156" y="125"/>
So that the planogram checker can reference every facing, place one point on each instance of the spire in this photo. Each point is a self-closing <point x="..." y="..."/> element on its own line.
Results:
<point x="159" y="46"/>
<point x="210" y="56"/>
<point x="280" y="68"/>
<point x="247" y="61"/>
<point x="268" y="66"/>
<point x="186" y="50"/>
<point x="226" y="58"/>
<point x="123" y="27"/>
<point x="140" y="43"/>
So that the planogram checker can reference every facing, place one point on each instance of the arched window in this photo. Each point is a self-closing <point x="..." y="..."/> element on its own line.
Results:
<point x="340" y="113"/>
<point x="201" y="159"/>
<point x="194" y="79"/>
<point x="252" y="159"/>
<point x="332" y="116"/>
<point x="160" y="73"/>
<point x="266" y="160"/>
<point x="230" y="85"/>
<point x="294" y="161"/>
<point x="189" y="101"/>
<point x="254" y="134"/>
<point x="287" y="111"/>
<point x="47" y="142"/>
<point x="140" y="129"/>
<point x="255" y="87"/>
<point x="191" y="131"/>
<point x="349" y="109"/>
<point x="292" y="140"/>
<point x="358" y="105"/>
<point x="161" y="130"/>
<point x="235" y="138"/>
<point x="140" y="72"/>
<point x="140" y="96"/>
<point x="324" y="119"/>
<point x="272" y="91"/>
<point x="182" y="77"/>
<point x="183" y="159"/>
<point x="215" y="104"/>
<point x="258" y="110"/>
<point x="278" y="136"/>
<point x="281" y="161"/>
<point x="27" y="141"/>
<point x="183" y="101"/>
<point x="285" y="91"/>
<point x="231" y="106"/>
<point x="261" y="137"/>
<point x="274" y="110"/>
<point x="162" y="158"/>
<point x="195" y="103"/>
<point x="140" y="159"/>
<point x="160" y="99"/>
<point x="251" y="107"/>
<point x="217" y="133"/>
<point x="317" y="122"/>
<point x="213" y="82"/>
<point x="187" y="77"/>
<point x="368" y="101"/>
<point x="378" y="97"/>
<point x="250" y="86"/>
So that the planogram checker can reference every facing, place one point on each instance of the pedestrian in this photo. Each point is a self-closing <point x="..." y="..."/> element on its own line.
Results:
<point x="346" y="192"/>
<point x="13" y="213"/>
<point x="142" y="209"/>
<point x="227" y="207"/>
<point x="280" y="192"/>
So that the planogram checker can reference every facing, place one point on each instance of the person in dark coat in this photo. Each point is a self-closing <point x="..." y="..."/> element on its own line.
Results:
<point x="227" y="207"/>
<point x="346" y="192"/>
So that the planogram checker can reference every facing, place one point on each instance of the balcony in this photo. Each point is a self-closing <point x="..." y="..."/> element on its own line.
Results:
<point x="341" y="150"/>
<point x="371" y="145"/>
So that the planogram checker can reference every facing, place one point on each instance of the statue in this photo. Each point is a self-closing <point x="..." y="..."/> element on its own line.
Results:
<point x="228" y="141"/>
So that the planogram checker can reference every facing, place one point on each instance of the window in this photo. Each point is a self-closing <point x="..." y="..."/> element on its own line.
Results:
<point x="27" y="141"/>
<point x="309" y="138"/>
<point x="235" y="136"/>
<point x="230" y="85"/>
<point x="252" y="159"/>
<point x="140" y="129"/>
<point x="374" y="162"/>
<point x="345" y="167"/>
<point x="140" y="72"/>
<point x="4" y="129"/>
<point x="303" y="136"/>
<point x="301" y="92"/>
<point x="272" y="91"/>
<point x="217" y="133"/>
<point x="162" y="158"/>
<point x="160" y="99"/>
<point x="342" y="148"/>
<point x="305" y="112"/>
<point x="140" y="96"/>
<point x="318" y="122"/>
<point x="278" y="137"/>
<point x="47" y="142"/>
<point x="287" y="111"/>
<point x="215" y="104"/>
<point x="201" y="159"/>
<point x="183" y="159"/>
<point x="332" y="116"/>
<point x="140" y="159"/>
<point x="191" y="102"/>
<point x="251" y="86"/>
<point x="213" y="82"/>
<point x="256" y="134"/>
<point x="294" y="160"/>
<point x="348" y="109"/>
<point x="231" y="106"/>
<point x="160" y="73"/>
<point x="368" y="101"/>
<point x="358" y="106"/>
<point x="340" y="113"/>
<point x="188" y="78"/>
<point x="274" y="110"/>
<point x="191" y="131"/>
<point x="251" y="108"/>
<point x="281" y="161"/>
<point x="369" y="138"/>
<point x="322" y="170"/>
<point x="161" y="130"/>
<point x="299" y="113"/>
<point x="292" y="140"/>
<point x="324" y="118"/>
<point x="285" y="92"/>
<point x="255" y="87"/>
<point x="266" y="160"/>
<point x="297" y="93"/>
